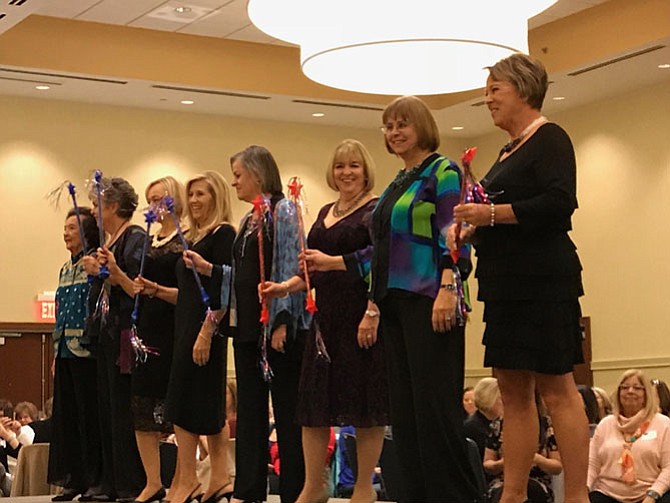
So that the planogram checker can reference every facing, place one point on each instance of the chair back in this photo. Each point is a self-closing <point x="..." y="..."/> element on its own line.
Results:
<point x="32" y="466"/>
<point x="477" y="468"/>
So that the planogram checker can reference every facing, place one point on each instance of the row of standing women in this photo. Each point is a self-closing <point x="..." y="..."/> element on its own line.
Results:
<point x="383" y="276"/>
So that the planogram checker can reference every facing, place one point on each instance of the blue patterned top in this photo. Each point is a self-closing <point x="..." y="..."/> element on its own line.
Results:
<point x="71" y="309"/>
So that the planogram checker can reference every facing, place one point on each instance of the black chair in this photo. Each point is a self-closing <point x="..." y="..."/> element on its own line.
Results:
<point x="390" y="477"/>
<point x="477" y="469"/>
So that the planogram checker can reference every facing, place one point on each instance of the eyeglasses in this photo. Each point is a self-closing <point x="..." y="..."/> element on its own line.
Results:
<point x="398" y="126"/>
<point x="634" y="387"/>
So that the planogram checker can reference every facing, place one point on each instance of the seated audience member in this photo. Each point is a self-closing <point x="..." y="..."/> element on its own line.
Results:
<point x="629" y="458"/>
<point x="26" y="413"/>
<point x="662" y="396"/>
<point x="469" y="406"/>
<point x="489" y="407"/>
<point x="590" y="404"/>
<point x="9" y="442"/>
<point x="6" y="408"/>
<point x="604" y="402"/>
<point x="547" y="460"/>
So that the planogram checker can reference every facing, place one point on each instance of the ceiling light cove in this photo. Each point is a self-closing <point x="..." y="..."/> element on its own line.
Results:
<point x="433" y="48"/>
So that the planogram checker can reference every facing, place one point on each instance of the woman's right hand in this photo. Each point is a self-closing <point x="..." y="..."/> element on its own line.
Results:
<point x="91" y="265"/>
<point x="271" y="290"/>
<point x="203" y="344"/>
<point x="143" y="286"/>
<point x="194" y="260"/>
<point x="368" y="327"/>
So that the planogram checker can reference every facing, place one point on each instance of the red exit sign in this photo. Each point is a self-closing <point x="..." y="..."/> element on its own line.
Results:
<point x="45" y="307"/>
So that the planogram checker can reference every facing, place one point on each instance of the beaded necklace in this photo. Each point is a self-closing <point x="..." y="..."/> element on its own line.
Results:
<point x="337" y="212"/>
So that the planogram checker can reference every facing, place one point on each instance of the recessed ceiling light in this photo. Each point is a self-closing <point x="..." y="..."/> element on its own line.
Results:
<point x="182" y="10"/>
<point x="664" y="66"/>
<point x="318" y="114"/>
<point x="42" y="87"/>
<point x="457" y="128"/>
<point x="558" y="98"/>
<point x="187" y="102"/>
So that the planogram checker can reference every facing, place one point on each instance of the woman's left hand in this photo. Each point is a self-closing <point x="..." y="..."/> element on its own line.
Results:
<point x="444" y="311"/>
<point x="473" y="213"/>
<point x="279" y="338"/>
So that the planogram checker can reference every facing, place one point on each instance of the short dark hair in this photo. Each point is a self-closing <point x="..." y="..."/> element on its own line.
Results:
<point x="89" y="225"/>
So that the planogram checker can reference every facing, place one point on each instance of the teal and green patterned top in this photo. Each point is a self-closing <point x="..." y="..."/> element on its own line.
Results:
<point x="410" y="227"/>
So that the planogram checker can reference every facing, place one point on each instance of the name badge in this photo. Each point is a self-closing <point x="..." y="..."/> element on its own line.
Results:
<point x="649" y="435"/>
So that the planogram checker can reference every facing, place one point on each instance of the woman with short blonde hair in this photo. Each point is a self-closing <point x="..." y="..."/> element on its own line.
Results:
<point x="629" y="458"/>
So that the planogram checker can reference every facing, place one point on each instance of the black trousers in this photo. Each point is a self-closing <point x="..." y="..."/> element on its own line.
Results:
<point x="598" y="497"/>
<point x="74" y="454"/>
<point x="251" y="442"/>
<point x="122" y="471"/>
<point x="425" y="371"/>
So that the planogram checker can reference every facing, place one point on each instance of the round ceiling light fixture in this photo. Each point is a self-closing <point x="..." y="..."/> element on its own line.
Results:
<point x="432" y="47"/>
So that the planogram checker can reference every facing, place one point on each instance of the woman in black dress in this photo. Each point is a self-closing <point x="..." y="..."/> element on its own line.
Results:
<point x="123" y="476"/>
<point x="196" y="399"/>
<point x="530" y="276"/>
<point x="156" y="328"/>
<point x="351" y="390"/>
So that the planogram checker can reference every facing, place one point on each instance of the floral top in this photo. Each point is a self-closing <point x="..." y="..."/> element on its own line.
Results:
<point x="71" y="309"/>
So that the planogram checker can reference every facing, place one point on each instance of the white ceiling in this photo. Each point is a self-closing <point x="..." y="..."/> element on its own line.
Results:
<point x="228" y="19"/>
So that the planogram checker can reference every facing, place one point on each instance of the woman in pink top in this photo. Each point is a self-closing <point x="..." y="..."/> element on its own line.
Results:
<point x="629" y="459"/>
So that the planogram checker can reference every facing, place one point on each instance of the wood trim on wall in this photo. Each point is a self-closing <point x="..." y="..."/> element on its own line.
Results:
<point x="25" y="327"/>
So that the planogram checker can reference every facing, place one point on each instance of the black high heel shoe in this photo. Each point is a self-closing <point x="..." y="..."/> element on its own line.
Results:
<point x="157" y="496"/>
<point x="219" y="495"/>
<point x="196" y="494"/>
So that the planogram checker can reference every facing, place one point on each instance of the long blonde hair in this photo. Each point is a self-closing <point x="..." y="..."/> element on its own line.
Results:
<point x="222" y="212"/>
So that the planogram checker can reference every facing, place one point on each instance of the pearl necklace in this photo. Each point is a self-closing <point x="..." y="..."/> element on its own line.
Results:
<point x="337" y="212"/>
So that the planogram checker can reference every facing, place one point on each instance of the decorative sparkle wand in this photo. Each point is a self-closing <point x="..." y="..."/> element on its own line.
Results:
<point x="103" y="273"/>
<point x="142" y="351"/>
<point x="261" y="209"/>
<point x="295" y="193"/>
<point x="169" y="206"/>
<point x="471" y="192"/>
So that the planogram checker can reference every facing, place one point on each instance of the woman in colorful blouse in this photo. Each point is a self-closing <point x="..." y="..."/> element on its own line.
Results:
<point x="629" y="458"/>
<point x="413" y="286"/>
<point x="74" y="459"/>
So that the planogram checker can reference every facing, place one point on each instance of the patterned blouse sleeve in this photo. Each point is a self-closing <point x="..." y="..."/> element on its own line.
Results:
<point x="218" y="285"/>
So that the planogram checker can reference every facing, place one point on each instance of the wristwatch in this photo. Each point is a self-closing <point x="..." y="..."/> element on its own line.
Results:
<point x="653" y="495"/>
<point x="371" y="313"/>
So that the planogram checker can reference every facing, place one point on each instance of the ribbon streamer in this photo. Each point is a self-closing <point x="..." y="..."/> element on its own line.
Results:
<point x="295" y="193"/>
<point x="260" y="211"/>
<point x="141" y="350"/>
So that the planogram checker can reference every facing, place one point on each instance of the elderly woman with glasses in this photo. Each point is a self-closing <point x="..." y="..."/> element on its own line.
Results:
<point x="414" y="289"/>
<point x="629" y="458"/>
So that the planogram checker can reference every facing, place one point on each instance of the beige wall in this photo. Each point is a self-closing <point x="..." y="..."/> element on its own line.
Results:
<point x="621" y="227"/>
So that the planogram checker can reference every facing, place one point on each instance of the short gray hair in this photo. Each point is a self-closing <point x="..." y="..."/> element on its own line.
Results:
<point x="526" y="74"/>
<point x="259" y="161"/>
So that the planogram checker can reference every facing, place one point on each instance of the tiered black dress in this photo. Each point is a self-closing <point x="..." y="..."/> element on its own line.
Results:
<point x="352" y="389"/>
<point x="156" y="329"/>
<point x="196" y="397"/>
<point x="529" y="274"/>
